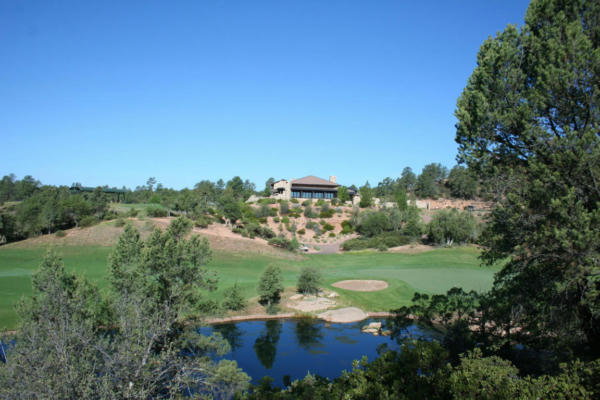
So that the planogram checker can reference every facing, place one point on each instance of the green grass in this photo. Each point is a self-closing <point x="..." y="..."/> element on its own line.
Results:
<point x="141" y="207"/>
<point x="431" y="272"/>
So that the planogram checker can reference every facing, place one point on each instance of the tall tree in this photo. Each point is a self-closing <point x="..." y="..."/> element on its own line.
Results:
<point x="462" y="183"/>
<point x="530" y="117"/>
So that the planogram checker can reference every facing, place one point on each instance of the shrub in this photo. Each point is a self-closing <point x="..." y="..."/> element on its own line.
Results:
<point x="275" y="219"/>
<point x="372" y="223"/>
<point x="263" y="211"/>
<point x="148" y="226"/>
<point x="202" y="221"/>
<point x="309" y="213"/>
<point x="268" y="200"/>
<point x="295" y="201"/>
<point x="308" y="281"/>
<point x="301" y="231"/>
<point x="334" y="202"/>
<point x="327" y="227"/>
<point x="156" y="212"/>
<point x="132" y="212"/>
<point x="449" y="226"/>
<point x="326" y="212"/>
<point x="233" y="298"/>
<point x="119" y="222"/>
<point x="306" y="203"/>
<point x="284" y="208"/>
<point x="60" y="233"/>
<point x="331" y="234"/>
<point x="285" y="220"/>
<point x="389" y="239"/>
<point x="272" y="212"/>
<point x="320" y="202"/>
<point x="270" y="285"/>
<point x="88" y="221"/>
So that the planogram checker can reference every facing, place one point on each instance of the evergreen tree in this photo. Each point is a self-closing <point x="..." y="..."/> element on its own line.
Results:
<point x="528" y="118"/>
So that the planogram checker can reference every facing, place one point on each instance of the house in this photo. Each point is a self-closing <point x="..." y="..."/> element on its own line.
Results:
<point x="309" y="187"/>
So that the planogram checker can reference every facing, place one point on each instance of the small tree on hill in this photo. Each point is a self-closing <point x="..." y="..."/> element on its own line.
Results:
<point x="308" y="281"/>
<point x="270" y="285"/>
<point x="233" y="298"/>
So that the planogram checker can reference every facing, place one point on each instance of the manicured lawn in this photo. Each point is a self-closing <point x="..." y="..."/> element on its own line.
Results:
<point x="141" y="207"/>
<point x="431" y="272"/>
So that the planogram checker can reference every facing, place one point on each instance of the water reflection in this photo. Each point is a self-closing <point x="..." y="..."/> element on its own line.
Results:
<point x="232" y="333"/>
<point x="265" y="345"/>
<point x="308" y="333"/>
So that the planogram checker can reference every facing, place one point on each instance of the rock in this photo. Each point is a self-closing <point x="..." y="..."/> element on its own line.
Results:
<point x="373" y="328"/>
<point x="332" y="295"/>
<point x="296" y="297"/>
<point x="387" y="332"/>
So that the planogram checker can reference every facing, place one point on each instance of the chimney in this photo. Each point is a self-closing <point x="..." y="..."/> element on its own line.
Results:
<point x="332" y="179"/>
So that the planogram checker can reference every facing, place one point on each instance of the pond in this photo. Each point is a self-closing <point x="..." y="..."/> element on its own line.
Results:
<point x="295" y="347"/>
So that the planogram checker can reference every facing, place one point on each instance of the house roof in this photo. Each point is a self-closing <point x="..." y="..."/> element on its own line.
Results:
<point x="313" y="181"/>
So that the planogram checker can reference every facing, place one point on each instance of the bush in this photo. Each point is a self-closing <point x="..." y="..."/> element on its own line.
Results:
<point x="334" y="202"/>
<point x="263" y="211"/>
<point x="272" y="212"/>
<point x="327" y="227"/>
<point x="284" y="208"/>
<point x="156" y="212"/>
<point x="331" y="234"/>
<point x="449" y="226"/>
<point x="60" y="233"/>
<point x="88" y="221"/>
<point x="386" y="240"/>
<point x="202" y="221"/>
<point x="308" y="281"/>
<point x="268" y="200"/>
<point x="372" y="223"/>
<point x="326" y="212"/>
<point x="301" y="231"/>
<point x="233" y="298"/>
<point x="119" y="222"/>
<point x="306" y="203"/>
<point x="283" y="243"/>
<point x="275" y="219"/>
<point x="320" y="202"/>
<point x="270" y="285"/>
<point x="133" y="212"/>
<point x="309" y="213"/>
<point x="295" y="201"/>
<point x="285" y="220"/>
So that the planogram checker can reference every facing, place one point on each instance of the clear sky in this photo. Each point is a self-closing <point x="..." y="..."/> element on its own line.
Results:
<point x="112" y="92"/>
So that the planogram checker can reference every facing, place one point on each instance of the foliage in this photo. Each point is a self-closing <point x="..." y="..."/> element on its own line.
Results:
<point x="87" y="221"/>
<point x="373" y="223"/>
<point x="430" y="180"/>
<point x="462" y="183"/>
<point x="156" y="212"/>
<point x="449" y="226"/>
<point x="284" y="208"/>
<point x="270" y="285"/>
<point x="381" y="241"/>
<point x="309" y="213"/>
<point x="308" y="281"/>
<point x="343" y="194"/>
<point x="74" y="357"/>
<point x="366" y="196"/>
<point x="528" y="125"/>
<point x="233" y="299"/>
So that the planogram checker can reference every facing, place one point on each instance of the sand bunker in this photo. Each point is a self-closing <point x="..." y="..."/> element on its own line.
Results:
<point x="348" y="314"/>
<point x="312" y="303"/>
<point x="361" y="285"/>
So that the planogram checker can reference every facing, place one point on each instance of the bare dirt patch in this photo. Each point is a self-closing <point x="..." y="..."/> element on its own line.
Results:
<point x="361" y="285"/>
<point x="411" y="249"/>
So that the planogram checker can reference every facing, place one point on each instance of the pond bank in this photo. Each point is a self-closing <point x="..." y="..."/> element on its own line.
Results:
<point x="335" y="316"/>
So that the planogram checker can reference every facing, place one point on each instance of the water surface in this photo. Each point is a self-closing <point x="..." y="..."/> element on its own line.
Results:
<point x="295" y="347"/>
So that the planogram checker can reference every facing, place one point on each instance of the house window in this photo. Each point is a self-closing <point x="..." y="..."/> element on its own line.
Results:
<point x="329" y="195"/>
<point x="306" y="195"/>
<point x="318" y="195"/>
<point x="295" y="194"/>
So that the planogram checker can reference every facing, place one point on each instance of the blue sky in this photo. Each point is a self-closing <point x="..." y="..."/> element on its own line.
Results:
<point x="112" y="92"/>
